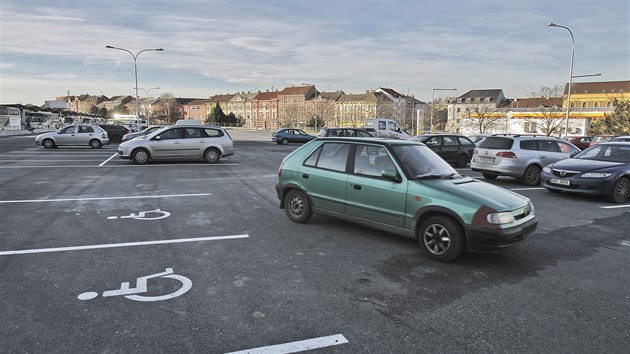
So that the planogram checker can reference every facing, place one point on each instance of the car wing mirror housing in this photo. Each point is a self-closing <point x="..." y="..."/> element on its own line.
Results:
<point x="573" y="155"/>
<point x="391" y="174"/>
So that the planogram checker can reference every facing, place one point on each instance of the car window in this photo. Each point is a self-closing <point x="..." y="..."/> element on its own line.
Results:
<point x="213" y="132"/>
<point x="363" y="134"/>
<point x="528" y="145"/>
<point x="419" y="161"/>
<point x="301" y="132"/>
<point x="68" y="130"/>
<point x="449" y="140"/>
<point x="548" y="145"/>
<point x="85" y="129"/>
<point x="564" y="147"/>
<point x="350" y="133"/>
<point x="371" y="161"/>
<point x="465" y="141"/>
<point x="192" y="133"/>
<point x="381" y="126"/>
<point x="330" y="156"/>
<point x="494" y="142"/>
<point x="434" y="141"/>
<point x="171" y="134"/>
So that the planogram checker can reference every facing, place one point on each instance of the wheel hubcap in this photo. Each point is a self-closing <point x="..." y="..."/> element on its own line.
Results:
<point x="211" y="156"/>
<point x="437" y="239"/>
<point x="622" y="191"/>
<point x="141" y="156"/>
<point x="296" y="206"/>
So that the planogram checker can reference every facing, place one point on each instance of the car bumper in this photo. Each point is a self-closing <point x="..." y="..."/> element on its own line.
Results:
<point x="587" y="186"/>
<point x="503" y="169"/>
<point x="485" y="240"/>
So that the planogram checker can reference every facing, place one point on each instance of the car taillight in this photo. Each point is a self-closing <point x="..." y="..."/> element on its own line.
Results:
<point x="280" y="170"/>
<point x="104" y="135"/>
<point x="506" y="154"/>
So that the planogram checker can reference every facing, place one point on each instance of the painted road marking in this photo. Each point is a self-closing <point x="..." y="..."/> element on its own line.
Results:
<point x="143" y="215"/>
<point x="626" y="243"/>
<point x="294" y="347"/>
<point x="615" y="206"/>
<point x="118" y="245"/>
<point x="141" y="287"/>
<point x="31" y="160"/>
<point x="106" y="161"/>
<point x="527" y="189"/>
<point x="118" y="166"/>
<point x="104" y="198"/>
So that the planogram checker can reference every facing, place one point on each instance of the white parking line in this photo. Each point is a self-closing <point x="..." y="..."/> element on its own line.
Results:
<point x="31" y="160"/>
<point x="626" y="243"/>
<point x="527" y="189"/>
<point x="117" y="245"/>
<point x="121" y="166"/>
<point x="299" y="346"/>
<point x="106" y="161"/>
<point x="615" y="206"/>
<point x="104" y="198"/>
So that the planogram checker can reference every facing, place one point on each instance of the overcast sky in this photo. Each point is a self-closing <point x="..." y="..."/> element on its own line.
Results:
<point x="50" y="47"/>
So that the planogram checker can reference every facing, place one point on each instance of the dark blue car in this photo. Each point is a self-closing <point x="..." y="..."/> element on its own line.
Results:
<point x="602" y="170"/>
<point x="291" y="135"/>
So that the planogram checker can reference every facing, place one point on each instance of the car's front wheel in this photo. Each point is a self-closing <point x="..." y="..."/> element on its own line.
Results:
<point x="140" y="156"/>
<point x="531" y="177"/>
<point x="48" y="144"/>
<point x="462" y="160"/>
<point x="95" y="144"/>
<point x="490" y="176"/>
<point x="441" y="238"/>
<point x="621" y="191"/>
<point x="297" y="206"/>
<point x="284" y="141"/>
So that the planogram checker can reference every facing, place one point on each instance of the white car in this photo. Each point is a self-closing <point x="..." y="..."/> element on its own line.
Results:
<point x="78" y="134"/>
<point x="179" y="142"/>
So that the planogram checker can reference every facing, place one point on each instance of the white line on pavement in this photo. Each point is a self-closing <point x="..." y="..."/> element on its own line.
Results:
<point x="527" y="189"/>
<point x="299" y="346"/>
<point x="104" y="198"/>
<point x="615" y="206"/>
<point x="117" y="245"/>
<point x="120" y="166"/>
<point x="626" y="243"/>
<point x="106" y="161"/>
<point x="31" y="160"/>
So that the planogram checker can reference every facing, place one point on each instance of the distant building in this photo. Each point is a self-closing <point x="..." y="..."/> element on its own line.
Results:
<point x="265" y="110"/>
<point x="353" y="109"/>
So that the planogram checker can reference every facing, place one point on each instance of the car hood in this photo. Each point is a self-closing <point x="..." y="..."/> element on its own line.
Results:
<point x="583" y="165"/>
<point x="495" y="197"/>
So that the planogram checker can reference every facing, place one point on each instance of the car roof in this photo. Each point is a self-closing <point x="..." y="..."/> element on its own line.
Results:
<point x="382" y="141"/>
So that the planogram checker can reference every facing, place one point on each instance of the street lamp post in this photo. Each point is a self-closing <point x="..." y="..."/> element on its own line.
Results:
<point x="135" y="70"/>
<point x="566" y="127"/>
<point x="146" y="92"/>
<point x="433" y="104"/>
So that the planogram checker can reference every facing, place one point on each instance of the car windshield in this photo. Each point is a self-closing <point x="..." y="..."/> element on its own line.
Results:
<point x="420" y="162"/>
<point x="611" y="153"/>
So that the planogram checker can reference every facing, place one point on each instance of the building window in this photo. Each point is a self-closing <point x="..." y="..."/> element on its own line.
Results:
<point x="608" y="104"/>
<point x="572" y="104"/>
<point x="596" y="104"/>
<point x="583" y="104"/>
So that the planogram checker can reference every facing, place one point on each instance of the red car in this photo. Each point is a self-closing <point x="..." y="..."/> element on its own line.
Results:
<point x="601" y="139"/>
<point x="581" y="142"/>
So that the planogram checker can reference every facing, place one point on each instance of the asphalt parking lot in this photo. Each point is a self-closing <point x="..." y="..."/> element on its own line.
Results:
<point x="100" y="255"/>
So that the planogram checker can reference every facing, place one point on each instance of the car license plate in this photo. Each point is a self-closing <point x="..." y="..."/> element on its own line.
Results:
<point x="486" y="159"/>
<point x="563" y="182"/>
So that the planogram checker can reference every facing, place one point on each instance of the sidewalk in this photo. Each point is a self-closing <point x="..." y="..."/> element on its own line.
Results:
<point x="22" y="132"/>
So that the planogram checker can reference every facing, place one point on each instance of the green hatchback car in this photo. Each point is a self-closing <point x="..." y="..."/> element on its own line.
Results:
<point x="402" y="187"/>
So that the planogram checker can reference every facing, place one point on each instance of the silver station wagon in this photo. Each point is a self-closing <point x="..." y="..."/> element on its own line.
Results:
<point x="183" y="141"/>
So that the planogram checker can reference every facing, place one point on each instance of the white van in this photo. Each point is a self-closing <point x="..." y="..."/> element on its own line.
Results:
<point x="11" y="118"/>
<point x="385" y="128"/>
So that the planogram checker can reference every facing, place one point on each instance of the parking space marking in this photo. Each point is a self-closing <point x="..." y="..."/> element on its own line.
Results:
<point x="120" y="166"/>
<point x="299" y="346"/>
<point x="118" y="245"/>
<point x="104" y="198"/>
<point x="615" y="206"/>
<point x="106" y="161"/>
<point x="31" y="160"/>
<point x="528" y="189"/>
<point x="626" y="243"/>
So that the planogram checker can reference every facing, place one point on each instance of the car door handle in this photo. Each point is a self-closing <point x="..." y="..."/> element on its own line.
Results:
<point x="305" y="176"/>
<point x="356" y="186"/>
<point x="176" y="142"/>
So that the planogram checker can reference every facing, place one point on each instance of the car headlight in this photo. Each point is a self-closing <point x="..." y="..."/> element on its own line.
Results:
<point x="500" y="218"/>
<point x="546" y="169"/>
<point x="596" y="175"/>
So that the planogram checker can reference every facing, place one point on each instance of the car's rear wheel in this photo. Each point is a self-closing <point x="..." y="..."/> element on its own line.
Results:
<point x="531" y="177"/>
<point x="212" y="155"/>
<point x="48" y="143"/>
<point x="297" y="206"/>
<point x="621" y="191"/>
<point x="441" y="238"/>
<point x="462" y="160"/>
<point x="489" y="175"/>
<point x="284" y="141"/>
<point x="140" y="156"/>
<point x="95" y="144"/>
<point x="115" y="138"/>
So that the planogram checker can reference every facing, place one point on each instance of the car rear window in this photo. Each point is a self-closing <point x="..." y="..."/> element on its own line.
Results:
<point x="494" y="142"/>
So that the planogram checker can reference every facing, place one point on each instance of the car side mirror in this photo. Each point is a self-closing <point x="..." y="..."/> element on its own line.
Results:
<point x="391" y="174"/>
<point x="157" y="138"/>
<point x="573" y="155"/>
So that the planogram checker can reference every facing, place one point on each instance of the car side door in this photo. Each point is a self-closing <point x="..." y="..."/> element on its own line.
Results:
<point x="66" y="135"/>
<point x="193" y="142"/>
<point x="549" y="152"/>
<point x="301" y="136"/>
<point x="167" y="144"/>
<point x="83" y="135"/>
<point x="450" y="148"/>
<point x="370" y="196"/>
<point x="323" y="176"/>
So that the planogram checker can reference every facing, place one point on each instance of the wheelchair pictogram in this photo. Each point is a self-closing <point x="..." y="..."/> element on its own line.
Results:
<point x="141" y="287"/>
<point x="143" y="215"/>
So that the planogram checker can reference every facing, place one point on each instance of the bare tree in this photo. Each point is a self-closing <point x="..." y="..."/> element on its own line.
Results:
<point x="552" y="118"/>
<point x="166" y="111"/>
<point x="483" y="117"/>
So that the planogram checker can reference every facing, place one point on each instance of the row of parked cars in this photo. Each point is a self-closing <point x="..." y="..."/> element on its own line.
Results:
<point x="187" y="139"/>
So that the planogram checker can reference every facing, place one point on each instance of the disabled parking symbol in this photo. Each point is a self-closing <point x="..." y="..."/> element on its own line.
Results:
<point x="141" y="287"/>
<point x="143" y="215"/>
